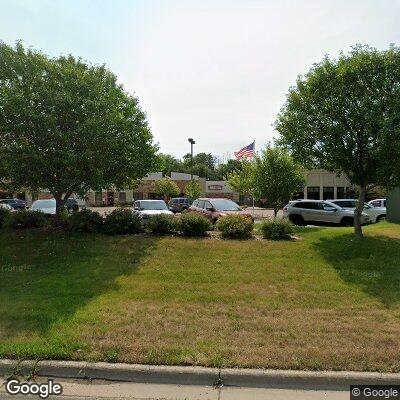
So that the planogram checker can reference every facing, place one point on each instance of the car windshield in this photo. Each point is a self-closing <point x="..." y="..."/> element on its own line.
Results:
<point x="225" y="205"/>
<point x="44" y="204"/>
<point x="153" y="205"/>
<point x="350" y="204"/>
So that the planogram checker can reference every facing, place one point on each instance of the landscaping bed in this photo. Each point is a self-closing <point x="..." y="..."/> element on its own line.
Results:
<point x="327" y="301"/>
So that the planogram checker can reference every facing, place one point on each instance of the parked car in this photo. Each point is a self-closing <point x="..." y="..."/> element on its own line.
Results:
<point x="179" y="204"/>
<point x="14" y="203"/>
<point x="71" y="205"/>
<point x="149" y="208"/>
<point x="213" y="209"/>
<point x="303" y="212"/>
<point x="375" y="213"/>
<point x="48" y="206"/>
<point x="378" y="203"/>
<point x="7" y="207"/>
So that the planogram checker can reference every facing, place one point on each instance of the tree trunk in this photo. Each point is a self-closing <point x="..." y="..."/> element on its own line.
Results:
<point x="276" y="212"/>
<point x="59" y="205"/>
<point x="358" y="211"/>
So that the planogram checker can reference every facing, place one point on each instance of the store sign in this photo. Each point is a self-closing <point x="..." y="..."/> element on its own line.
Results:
<point x="215" y="187"/>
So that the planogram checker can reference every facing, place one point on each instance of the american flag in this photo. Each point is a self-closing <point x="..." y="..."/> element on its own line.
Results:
<point x="246" y="152"/>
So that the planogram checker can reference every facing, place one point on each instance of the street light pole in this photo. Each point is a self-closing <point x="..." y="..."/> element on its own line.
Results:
<point x="192" y="142"/>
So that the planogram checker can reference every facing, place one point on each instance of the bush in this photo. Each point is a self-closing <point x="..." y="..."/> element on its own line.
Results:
<point x="235" y="226"/>
<point x="162" y="224"/>
<point x="122" y="221"/>
<point x="4" y="215"/>
<point x="85" y="221"/>
<point x="23" y="219"/>
<point x="191" y="224"/>
<point x="277" y="229"/>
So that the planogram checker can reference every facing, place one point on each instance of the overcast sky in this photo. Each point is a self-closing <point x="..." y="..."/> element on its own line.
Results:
<point x="214" y="70"/>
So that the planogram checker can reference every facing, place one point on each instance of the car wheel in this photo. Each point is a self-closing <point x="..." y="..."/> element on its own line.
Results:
<point x="297" y="220"/>
<point x="347" y="221"/>
<point x="380" y="218"/>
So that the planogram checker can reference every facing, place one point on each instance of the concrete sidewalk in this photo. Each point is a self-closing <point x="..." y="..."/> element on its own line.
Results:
<point x="84" y="389"/>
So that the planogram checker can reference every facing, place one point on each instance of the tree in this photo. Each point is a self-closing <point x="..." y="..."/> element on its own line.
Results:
<point x="170" y="164"/>
<point x="344" y="116"/>
<point x="193" y="190"/>
<point x="67" y="126"/>
<point x="166" y="188"/>
<point x="203" y="165"/>
<point x="277" y="177"/>
<point x="242" y="181"/>
<point x="223" y="170"/>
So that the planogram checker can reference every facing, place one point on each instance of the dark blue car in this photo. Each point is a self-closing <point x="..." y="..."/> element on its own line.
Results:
<point x="14" y="203"/>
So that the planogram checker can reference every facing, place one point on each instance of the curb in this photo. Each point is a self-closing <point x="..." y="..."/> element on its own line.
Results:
<point x="178" y="375"/>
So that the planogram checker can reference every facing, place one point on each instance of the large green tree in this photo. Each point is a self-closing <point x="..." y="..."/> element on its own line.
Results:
<point x="344" y="116"/>
<point x="68" y="126"/>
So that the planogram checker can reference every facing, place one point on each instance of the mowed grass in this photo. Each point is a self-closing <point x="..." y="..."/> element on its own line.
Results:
<point x="326" y="301"/>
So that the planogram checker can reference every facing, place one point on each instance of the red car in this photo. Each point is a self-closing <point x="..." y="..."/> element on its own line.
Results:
<point x="216" y="208"/>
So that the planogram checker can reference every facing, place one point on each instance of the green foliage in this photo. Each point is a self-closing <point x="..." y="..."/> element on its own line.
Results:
<point x="170" y="164"/>
<point x="122" y="221"/>
<point x="70" y="124"/>
<point x="235" y="226"/>
<point x="166" y="188"/>
<point x="193" y="190"/>
<point x="343" y="115"/>
<point x="23" y="219"/>
<point x="4" y="215"/>
<point x="162" y="224"/>
<point x="277" y="229"/>
<point x="85" y="221"/>
<point x="277" y="177"/>
<point x="191" y="224"/>
<point x="242" y="180"/>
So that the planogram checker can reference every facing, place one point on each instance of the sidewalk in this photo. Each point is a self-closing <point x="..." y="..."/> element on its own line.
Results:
<point x="84" y="389"/>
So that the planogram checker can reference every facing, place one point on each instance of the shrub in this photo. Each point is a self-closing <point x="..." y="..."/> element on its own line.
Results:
<point x="85" y="221"/>
<point x="191" y="224"/>
<point x="4" y="215"/>
<point x="162" y="224"/>
<point x="235" y="226"/>
<point x="122" y="221"/>
<point x="23" y="219"/>
<point x="277" y="229"/>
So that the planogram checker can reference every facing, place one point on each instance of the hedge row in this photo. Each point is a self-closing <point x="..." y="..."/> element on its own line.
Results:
<point x="124" y="221"/>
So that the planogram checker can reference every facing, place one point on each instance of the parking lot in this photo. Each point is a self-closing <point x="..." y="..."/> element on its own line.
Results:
<point x="258" y="214"/>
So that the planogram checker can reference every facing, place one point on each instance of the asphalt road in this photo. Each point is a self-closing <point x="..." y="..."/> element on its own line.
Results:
<point x="116" y="390"/>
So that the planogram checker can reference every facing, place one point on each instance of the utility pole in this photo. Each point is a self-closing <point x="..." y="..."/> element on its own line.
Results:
<point x="192" y="142"/>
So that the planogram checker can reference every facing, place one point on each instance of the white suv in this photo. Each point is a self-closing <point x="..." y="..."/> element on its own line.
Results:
<point x="376" y="213"/>
<point x="303" y="212"/>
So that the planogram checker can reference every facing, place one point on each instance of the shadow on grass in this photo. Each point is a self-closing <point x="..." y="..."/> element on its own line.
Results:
<point x="372" y="263"/>
<point x="45" y="277"/>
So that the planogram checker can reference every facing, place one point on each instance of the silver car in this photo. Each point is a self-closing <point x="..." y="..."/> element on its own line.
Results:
<point x="303" y="212"/>
<point x="148" y="208"/>
<point x="375" y="213"/>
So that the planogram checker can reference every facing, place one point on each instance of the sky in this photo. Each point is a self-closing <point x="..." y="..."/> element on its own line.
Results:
<point x="214" y="70"/>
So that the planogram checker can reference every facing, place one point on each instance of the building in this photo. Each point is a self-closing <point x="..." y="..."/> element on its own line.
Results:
<point x="325" y="185"/>
<point x="320" y="185"/>
<point x="393" y="206"/>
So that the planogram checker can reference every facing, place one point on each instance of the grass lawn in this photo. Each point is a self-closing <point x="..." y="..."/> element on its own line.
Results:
<point x="326" y="301"/>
